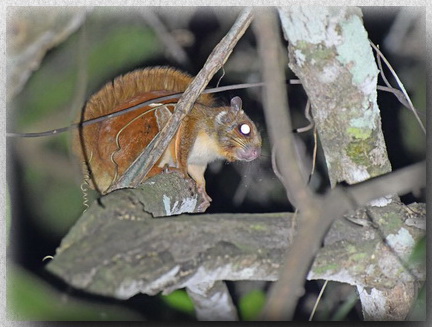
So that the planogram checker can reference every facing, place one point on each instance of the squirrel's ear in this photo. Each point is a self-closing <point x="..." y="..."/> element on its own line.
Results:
<point x="236" y="104"/>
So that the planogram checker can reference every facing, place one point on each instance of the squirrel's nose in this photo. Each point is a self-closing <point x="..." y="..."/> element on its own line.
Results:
<point x="249" y="153"/>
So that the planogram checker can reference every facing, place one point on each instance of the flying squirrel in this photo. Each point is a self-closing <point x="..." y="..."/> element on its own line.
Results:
<point x="207" y="133"/>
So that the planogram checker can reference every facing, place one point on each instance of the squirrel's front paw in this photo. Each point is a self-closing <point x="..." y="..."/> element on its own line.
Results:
<point x="206" y="199"/>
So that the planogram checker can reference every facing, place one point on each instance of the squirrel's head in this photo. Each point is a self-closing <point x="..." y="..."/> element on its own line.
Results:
<point x="237" y="134"/>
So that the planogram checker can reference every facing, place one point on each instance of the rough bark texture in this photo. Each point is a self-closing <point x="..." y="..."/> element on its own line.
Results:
<point x="330" y="53"/>
<point x="374" y="263"/>
<point x="117" y="249"/>
<point x="212" y="302"/>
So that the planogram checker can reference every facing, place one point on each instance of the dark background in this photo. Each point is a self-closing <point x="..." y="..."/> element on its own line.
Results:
<point x="43" y="181"/>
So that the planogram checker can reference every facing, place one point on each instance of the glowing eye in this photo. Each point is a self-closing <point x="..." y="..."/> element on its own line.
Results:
<point x="245" y="129"/>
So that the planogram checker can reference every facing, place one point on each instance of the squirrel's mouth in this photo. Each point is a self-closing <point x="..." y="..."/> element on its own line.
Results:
<point x="248" y="153"/>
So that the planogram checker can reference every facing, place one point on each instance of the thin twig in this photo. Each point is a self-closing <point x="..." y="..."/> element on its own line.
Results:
<point x="411" y="106"/>
<point x="318" y="300"/>
<point x="99" y="119"/>
<point x="220" y="78"/>
<point x="310" y="177"/>
<point x="127" y="110"/>
<point x="398" y="94"/>
<point x="308" y="117"/>
<point x="276" y="108"/>
<point x="315" y="150"/>
<point x="384" y="77"/>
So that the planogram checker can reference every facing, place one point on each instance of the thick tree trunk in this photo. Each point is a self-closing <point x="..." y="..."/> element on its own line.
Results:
<point x="330" y="52"/>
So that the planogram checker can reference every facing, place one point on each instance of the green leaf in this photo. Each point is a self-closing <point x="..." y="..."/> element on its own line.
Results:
<point x="418" y="310"/>
<point x="179" y="300"/>
<point x="419" y="252"/>
<point x="250" y="305"/>
<point x="8" y="215"/>
<point x="29" y="298"/>
<point x="55" y="198"/>
<point x="343" y="310"/>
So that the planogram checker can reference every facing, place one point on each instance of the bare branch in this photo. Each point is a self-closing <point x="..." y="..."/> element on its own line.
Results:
<point x="281" y="301"/>
<point x="99" y="119"/>
<point x="407" y="98"/>
<point x="308" y="117"/>
<point x="277" y="110"/>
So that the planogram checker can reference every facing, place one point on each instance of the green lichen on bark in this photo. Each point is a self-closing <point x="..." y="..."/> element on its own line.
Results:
<point x="314" y="53"/>
<point x="258" y="227"/>
<point x="359" y="133"/>
<point x="339" y="75"/>
<point x="355" y="50"/>
<point x="326" y="267"/>
<point x="358" y="150"/>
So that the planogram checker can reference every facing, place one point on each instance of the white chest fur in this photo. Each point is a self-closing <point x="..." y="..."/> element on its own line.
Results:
<point x="204" y="150"/>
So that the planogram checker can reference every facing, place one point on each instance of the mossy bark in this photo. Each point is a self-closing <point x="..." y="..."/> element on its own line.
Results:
<point x="119" y="249"/>
<point x="334" y="61"/>
<point x="330" y="53"/>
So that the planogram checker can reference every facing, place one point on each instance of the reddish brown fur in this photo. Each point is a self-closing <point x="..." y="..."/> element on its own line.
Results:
<point x="201" y="138"/>
<point x="125" y="91"/>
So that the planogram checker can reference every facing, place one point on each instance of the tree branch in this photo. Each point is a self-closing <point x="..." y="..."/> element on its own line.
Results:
<point x="281" y="301"/>
<point x="277" y="111"/>
<point x="117" y="249"/>
<point x="330" y="53"/>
